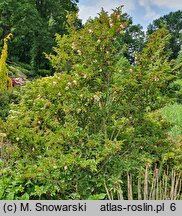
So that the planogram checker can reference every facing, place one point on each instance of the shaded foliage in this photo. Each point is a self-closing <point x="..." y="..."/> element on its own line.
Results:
<point x="132" y="39"/>
<point x="6" y="98"/>
<point x="33" y="24"/>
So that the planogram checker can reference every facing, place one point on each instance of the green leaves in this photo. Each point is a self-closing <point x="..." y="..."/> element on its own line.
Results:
<point x="30" y="24"/>
<point x="75" y="135"/>
<point x="97" y="197"/>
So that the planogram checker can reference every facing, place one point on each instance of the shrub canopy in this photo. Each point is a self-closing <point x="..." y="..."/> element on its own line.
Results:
<point x="84" y="128"/>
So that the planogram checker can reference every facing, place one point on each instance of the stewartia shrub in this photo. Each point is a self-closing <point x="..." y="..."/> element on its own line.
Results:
<point x="77" y="133"/>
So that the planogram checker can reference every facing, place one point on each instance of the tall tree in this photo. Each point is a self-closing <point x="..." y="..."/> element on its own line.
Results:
<point x="33" y="24"/>
<point x="133" y="38"/>
<point x="173" y="22"/>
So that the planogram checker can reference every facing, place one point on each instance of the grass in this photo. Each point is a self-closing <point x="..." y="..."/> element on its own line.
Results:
<point x="173" y="113"/>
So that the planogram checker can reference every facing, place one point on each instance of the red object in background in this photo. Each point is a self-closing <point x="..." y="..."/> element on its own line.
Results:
<point x="17" y="81"/>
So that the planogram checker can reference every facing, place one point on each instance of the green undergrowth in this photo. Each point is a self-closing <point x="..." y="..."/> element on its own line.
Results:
<point x="173" y="113"/>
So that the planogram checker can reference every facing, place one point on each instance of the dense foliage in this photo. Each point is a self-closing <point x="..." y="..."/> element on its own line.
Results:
<point x="6" y="98"/>
<point x="78" y="134"/>
<point x="33" y="25"/>
<point x="173" y="22"/>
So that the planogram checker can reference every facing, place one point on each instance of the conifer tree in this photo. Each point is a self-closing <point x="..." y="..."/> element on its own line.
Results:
<point x="4" y="79"/>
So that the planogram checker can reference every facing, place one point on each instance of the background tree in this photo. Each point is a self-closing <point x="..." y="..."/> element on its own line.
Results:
<point x="33" y="24"/>
<point x="4" y="79"/>
<point x="132" y="39"/>
<point x="173" y="22"/>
